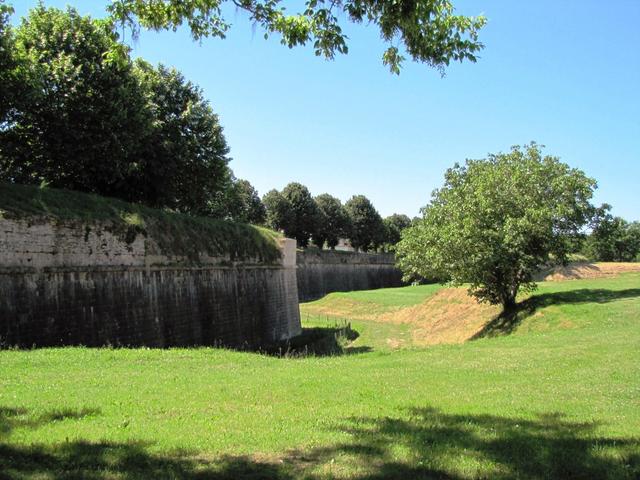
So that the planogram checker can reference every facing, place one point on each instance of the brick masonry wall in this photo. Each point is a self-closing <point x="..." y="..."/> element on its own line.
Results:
<point x="324" y="272"/>
<point x="78" y="284"/>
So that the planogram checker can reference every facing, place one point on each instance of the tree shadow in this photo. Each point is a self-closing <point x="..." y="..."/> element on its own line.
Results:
<point x="57" y="415"/>
<point x="422" y="443"/>
<point x="319" y="342"/>
<point x="106" y="460"/>
<point x="129" y="461"/>
<point x="509" y="320"/>
<point x="432" y="444"/>
<point x="13" y="418"/>
<point x="312" y="342"/>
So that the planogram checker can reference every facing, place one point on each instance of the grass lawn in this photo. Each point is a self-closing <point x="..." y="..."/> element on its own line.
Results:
<point x="554" y="394"/>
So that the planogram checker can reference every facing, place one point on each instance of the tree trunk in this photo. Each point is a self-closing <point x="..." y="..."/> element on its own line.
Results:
<point x="509" y="298"/>
<point x="509" y="303"/>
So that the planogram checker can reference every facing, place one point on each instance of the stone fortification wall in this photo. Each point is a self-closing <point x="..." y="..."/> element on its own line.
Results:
<point x="69" y="283"/>
<point x="322" y="272"/>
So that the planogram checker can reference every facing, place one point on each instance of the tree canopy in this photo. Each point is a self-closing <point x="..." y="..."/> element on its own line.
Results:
<point x="367" y="229"/>
<point x="428" y="31"/>
<point x="246" y="204"/>
<point x="80" y="123"/>
<point x="185" y="163"/>
<point x="612" y="239"/>
<point x="496" y="221"/>
<point x="279" y="212"/>
<point x="325" y="220"/>
<point x="81" y="115"/>
<point x="11" y="79"/>
<point x="293" y="211"/>
<point x="394" y="225"/>
<point x="334" y="222"/>
<point x="304" y="213"/>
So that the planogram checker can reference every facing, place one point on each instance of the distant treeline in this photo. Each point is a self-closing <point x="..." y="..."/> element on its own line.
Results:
<point x="77" y="112"/>
<point x="612" y="239"/>
<point x="324" y="220"/>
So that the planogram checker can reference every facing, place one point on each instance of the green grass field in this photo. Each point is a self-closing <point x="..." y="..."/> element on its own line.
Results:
<point x="555" y="394"/>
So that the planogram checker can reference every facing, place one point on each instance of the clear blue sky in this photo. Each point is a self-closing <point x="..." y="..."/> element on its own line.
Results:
<point x="563" y="73"/>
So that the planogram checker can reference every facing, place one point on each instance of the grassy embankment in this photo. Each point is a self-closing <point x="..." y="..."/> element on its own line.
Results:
<point x="552" y="393"/>
<point x="176" y="234"/>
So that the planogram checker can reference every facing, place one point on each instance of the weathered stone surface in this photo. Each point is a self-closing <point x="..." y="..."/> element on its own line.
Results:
<point x="324" y="272"/>
<point x="73" y="284"/>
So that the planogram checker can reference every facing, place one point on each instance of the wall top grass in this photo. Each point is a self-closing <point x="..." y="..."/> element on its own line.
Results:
<point x="160" y="235"/>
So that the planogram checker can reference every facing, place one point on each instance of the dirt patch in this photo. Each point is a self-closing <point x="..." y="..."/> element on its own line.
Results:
<point x="576" y="271"/>
<point x="395" y="343"/>
<point x="448" y="316"/>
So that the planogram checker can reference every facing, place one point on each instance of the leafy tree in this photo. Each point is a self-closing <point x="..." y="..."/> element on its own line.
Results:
<point x="496" y="221"/>
<point x="394" y="225"/>
<point x="185" y="164"/>
<point x="247" y="206"/>
<point x="292" y="211"/>
<point x="89" y="119"/>
<point x="633" y="233"/>
<point x="612" y="239"/>
<point x="279" y="211"/>
<point x="304" y="213"/>
<point x="367" y="229"/>
<point x="319" y="233"/>
<point x="427" y="30"/>
<point x="334" y="222"/>
<point x="85" y="114"/>
<point x="12" y="81"/>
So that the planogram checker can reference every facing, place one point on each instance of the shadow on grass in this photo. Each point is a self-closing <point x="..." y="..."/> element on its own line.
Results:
<point x="132" y="460"/>
<point x="318" y="341"/>
<point x="424" y="443"/>
<point x="13" y="418"/>
<point x="315" y="341"/>
<point x="429" y="443"/>
<point x="509" y="320"/>
<point x="107" y="460"/>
